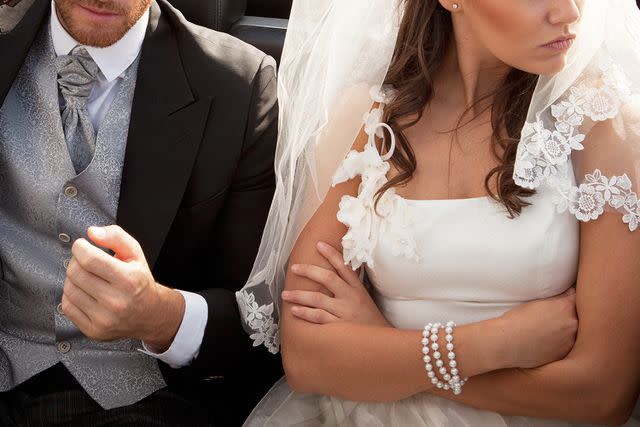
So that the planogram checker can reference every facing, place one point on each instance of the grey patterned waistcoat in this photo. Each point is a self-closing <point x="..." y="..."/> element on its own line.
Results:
<point x="42" y="201"/>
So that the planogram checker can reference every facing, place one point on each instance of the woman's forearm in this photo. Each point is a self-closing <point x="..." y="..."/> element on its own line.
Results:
<point x="378" y="364"/>
<point x="576" y="388"/>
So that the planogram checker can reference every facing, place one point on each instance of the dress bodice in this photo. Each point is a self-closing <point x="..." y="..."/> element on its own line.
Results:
<point x="464" y="260"/>
<point x="474" y="262"/>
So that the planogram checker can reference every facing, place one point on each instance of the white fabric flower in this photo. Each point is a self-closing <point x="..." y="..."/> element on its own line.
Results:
<point x="372" y="120"/>
<point x="602" y="104"/>
<point x="556" y="148"/>
<point x="383" y="94"/>
<point x="586" y="203"/>
<point x="362" y="216"/>
<point x="528" y="175"/>
<point x="352" y="211"/>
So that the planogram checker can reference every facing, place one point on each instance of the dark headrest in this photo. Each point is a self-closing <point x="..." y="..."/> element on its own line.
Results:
<point x="271" y="8"/>
<point x="218" y="15"/>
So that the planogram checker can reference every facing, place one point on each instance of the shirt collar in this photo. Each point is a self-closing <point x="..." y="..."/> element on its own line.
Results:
<point x="114" y="60"/>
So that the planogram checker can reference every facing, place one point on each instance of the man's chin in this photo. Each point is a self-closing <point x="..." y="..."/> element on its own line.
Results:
<point x="97" y="39"/>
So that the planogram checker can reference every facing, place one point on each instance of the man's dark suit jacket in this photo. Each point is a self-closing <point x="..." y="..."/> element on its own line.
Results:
<point x="198" y="178"/>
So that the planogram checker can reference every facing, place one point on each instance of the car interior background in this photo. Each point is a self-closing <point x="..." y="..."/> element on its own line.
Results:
<point x="262" y="23"/>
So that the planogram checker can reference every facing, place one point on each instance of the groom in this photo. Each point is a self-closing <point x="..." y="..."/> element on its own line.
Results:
<point x="122" y="112"/>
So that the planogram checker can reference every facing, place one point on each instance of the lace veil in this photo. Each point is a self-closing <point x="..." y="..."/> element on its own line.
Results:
<point x="581" y="137"/>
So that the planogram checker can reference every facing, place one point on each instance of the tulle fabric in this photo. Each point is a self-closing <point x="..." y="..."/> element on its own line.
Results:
<point x="283" y="408"/>
<point x="335" y="51"/>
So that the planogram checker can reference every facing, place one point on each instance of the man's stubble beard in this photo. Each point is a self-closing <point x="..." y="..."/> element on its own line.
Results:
<point x="104" y="36"/>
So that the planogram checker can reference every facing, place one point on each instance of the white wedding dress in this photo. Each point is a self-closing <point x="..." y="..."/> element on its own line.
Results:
<point x="434" y="261"/>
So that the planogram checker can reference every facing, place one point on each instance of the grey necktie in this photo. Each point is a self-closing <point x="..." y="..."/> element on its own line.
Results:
<point x="77" y="74"/>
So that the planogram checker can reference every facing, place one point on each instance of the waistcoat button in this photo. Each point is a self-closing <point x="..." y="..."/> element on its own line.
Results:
<point x="64" y="347"/>
<point x="71" y="191"/>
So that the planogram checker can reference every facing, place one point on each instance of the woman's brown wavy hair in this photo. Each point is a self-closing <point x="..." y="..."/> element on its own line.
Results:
<point x="426" y="33"/>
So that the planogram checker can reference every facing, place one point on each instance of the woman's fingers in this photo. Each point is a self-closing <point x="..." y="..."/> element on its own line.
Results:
<point x="327" y="278"/>
<point x="312" y="300"/>
<point x="313" y="315"/>
<point x="336" y="259"/>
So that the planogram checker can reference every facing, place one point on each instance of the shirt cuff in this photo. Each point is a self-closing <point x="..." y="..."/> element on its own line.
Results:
<point x="186" y="344"/>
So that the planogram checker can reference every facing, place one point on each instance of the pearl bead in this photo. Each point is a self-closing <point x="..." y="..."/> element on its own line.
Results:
<point x="447" y="377"/>
<point x="454" y="371"/>
<point x="434" y="338"/>
<point x="443" y="371"/>
<point x="425" y="350"/>
<point x="449" y="346"/>
<point x="425" y="341"/>
<point x="449" y="338"/>
<point x="452" y="355"/>
<point x="436" y="354"/>
<point x="439" y="363"/>
<point x="453" y="363"/>
<point x="426" y="359"/>
<point x="457" y="391"/>
<point x="455" y="378"/>
<point x="431" y="374"/>
<point x="435" y="346"/>
<point x="434" y="381"/>
<point x="439" y="385"/>
<point x="449" y="330"/>
<point x="446" y="386"/>
<point x="429" y="367"/>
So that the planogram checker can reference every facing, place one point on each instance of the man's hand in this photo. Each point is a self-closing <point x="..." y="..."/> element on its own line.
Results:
<point x="116" y="297"/>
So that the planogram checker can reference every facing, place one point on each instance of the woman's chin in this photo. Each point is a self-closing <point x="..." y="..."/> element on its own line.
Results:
<point x="551" y="66"/>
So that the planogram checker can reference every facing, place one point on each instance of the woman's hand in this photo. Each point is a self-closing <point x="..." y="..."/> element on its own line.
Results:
<point x="540" y="332"/>
<point x="350" y="300"/>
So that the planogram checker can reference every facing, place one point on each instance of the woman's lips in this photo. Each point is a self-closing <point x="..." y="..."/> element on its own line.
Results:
<point x="563" y="43"/>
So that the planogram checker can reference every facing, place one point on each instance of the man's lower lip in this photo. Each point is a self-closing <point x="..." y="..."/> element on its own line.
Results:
<point x="99" y="13"/>
<point x="560" y="45"/>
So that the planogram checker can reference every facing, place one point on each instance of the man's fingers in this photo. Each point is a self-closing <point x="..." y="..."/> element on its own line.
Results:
<point x="96" y="261"/>
<point x="337" y="261"/>
<point x="119" y="241"/>
<point x="76" y="315"/>
<point x="312" y="300"/>
<point x="93" y="285"/>
<point x="78" y="297"/>
<point x="313" y="315"/>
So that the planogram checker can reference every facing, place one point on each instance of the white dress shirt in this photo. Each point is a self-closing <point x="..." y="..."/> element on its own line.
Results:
<point x="113" y="61"/>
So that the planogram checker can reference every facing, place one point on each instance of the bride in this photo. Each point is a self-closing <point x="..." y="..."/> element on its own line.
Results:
<point x="429" y="252"/>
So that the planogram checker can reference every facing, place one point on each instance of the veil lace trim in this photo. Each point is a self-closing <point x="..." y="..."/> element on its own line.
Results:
<point x="544" y="151"/>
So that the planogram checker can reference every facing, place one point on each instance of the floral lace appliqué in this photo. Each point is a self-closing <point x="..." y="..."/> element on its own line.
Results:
<point x="260" y="319"/>
<point x="544" y="152"/>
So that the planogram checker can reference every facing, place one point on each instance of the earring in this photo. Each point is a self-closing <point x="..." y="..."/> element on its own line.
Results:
<point x="455" y="6"/>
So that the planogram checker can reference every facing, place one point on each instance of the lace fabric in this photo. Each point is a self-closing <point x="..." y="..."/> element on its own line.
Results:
<point x="548" y="144"/>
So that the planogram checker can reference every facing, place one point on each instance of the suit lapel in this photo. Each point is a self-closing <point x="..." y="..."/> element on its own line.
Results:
<point x="18" y="28"/>
<point x="167" y="125"/>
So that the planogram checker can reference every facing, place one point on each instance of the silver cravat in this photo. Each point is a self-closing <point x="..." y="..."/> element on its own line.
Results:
<point x="77" y="73"/>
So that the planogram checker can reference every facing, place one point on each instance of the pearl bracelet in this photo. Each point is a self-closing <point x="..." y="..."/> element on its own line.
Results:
<point x="430" y="340"/>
